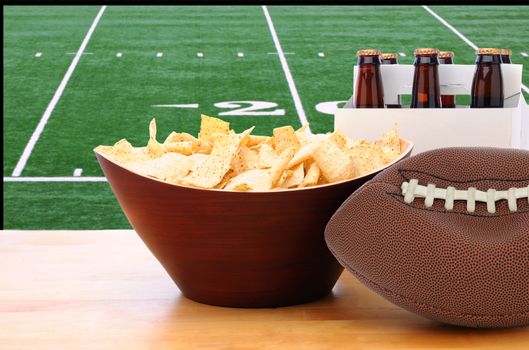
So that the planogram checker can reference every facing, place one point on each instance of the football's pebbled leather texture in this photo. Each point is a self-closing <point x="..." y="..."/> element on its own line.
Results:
<point x="467" y="265"/>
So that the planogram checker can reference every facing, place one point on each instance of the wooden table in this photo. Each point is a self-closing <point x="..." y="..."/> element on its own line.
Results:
<point x="104" y="290"/>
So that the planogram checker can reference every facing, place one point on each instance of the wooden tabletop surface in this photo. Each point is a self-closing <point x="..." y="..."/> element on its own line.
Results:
<point x="104" y="290"/>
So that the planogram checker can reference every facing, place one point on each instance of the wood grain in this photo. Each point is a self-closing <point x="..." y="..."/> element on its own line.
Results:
<point x="104" y="290"/>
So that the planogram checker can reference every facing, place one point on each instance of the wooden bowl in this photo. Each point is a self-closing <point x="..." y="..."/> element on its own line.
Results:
<point x="238" y="249"/>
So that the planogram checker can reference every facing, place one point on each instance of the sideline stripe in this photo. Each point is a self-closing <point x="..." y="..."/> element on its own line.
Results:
<point x="56" y="179"/>
<point x="294" y="92"/>
<point x="458" y="33"/>
<point x="44" y="119"/>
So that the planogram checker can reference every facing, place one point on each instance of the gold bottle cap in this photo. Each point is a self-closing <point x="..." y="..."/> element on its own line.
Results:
<point x="426" y="51"/>
<point x="446" y="54"/>
<point x="506" y="52"/>
<point x="388" y="56"/>
<point x="488" y="51"/>
<point x="368" y="53"/>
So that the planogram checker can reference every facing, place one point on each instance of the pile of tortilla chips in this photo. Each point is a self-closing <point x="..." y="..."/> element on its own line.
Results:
<point x="222" y="159"/>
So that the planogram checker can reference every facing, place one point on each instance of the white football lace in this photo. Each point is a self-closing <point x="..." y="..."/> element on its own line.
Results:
<point x="412" y="190"/>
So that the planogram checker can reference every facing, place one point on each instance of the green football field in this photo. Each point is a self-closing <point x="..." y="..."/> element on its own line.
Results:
<point x="78" y="77"/>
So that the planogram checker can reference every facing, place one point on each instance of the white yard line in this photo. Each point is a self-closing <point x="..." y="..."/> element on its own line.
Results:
<point x="55" y="179"/>
<point x="449" y="26"/>
<point x="47" y="113"/>
<point x="458" y="33"/>
<point x="74" y="53"/>
<point x="294" y="92"/>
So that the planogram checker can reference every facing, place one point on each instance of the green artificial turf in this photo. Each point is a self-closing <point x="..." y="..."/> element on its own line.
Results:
<point x="30" y="82"/>
<point x="57" y="205"/>
<point x="108" y="98"/>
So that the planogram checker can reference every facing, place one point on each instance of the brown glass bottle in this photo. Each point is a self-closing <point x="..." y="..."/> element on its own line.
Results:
<point x="425" y="92"/>
<point x="447" y="101"/>
<point x="391" y="58"/>
<point x="368" y="91"/>
<point x="487" y="85"/>
<point x="506" y="56"/>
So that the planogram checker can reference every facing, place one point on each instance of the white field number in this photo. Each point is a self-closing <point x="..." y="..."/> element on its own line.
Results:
<point x="254" y="108"/>
<point x="258" y="108"/>
<point x="329" y="107"/>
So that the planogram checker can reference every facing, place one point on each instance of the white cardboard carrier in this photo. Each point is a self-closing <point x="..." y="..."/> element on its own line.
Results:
<point x="437" y="127"/>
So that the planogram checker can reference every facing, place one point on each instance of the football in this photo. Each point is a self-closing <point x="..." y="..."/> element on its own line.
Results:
<point x="444" y="234"/>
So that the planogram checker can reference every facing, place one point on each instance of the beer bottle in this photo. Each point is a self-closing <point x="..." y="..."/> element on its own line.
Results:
<point x="369" y="92"/>
<point x="388" y="58"/>
<point x="391" y="58"/>
<point x="506" y="55"/>
<point x="425" y="92"/>
<point x="447" y="101"/>
<point x="487" y="85"/>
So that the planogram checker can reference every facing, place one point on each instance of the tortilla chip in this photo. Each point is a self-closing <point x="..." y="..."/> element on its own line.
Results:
<point x="220" y="158"/>
<point x="389" y="155"/>
<point x="180" y="137"/>
<point x="171" y="167"/>
<point x="211" y="171"/>
<point x="182" y="147"/>
<point x="254" y="140"/>
<point x="334" y="163"/>
<point x="295" y="177"/>
<point x="204" y="147"/>
<point x="391" y="140"/>
<point x="390" y="145"/>
<point x="284" y="175"/>
<point x="251" y="180"/>
<point x="154" y="149"/>
<point x="312" y="176"/>
<point x="267" y="156"/>
<point x="318" y="137"/>
<point x="122" y="147"/>
<point x="245" y="159"/>
<point x="285" y="137"/>
<point x="123" y="152"/>
<point x="198" y="158"/>
<point x="210" y="126"/>
<point x="338" y="138"/>
<point x="303" y="154"/>
<point x="245" y="136"/>
<point x="227" y="177"/>
<point x="281" y="165"/>
<point x="366" y="158"/>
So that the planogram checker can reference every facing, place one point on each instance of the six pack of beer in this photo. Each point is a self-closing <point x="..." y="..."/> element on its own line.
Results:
<point x="497" y="114"/>
<point x="487" y="84"/>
